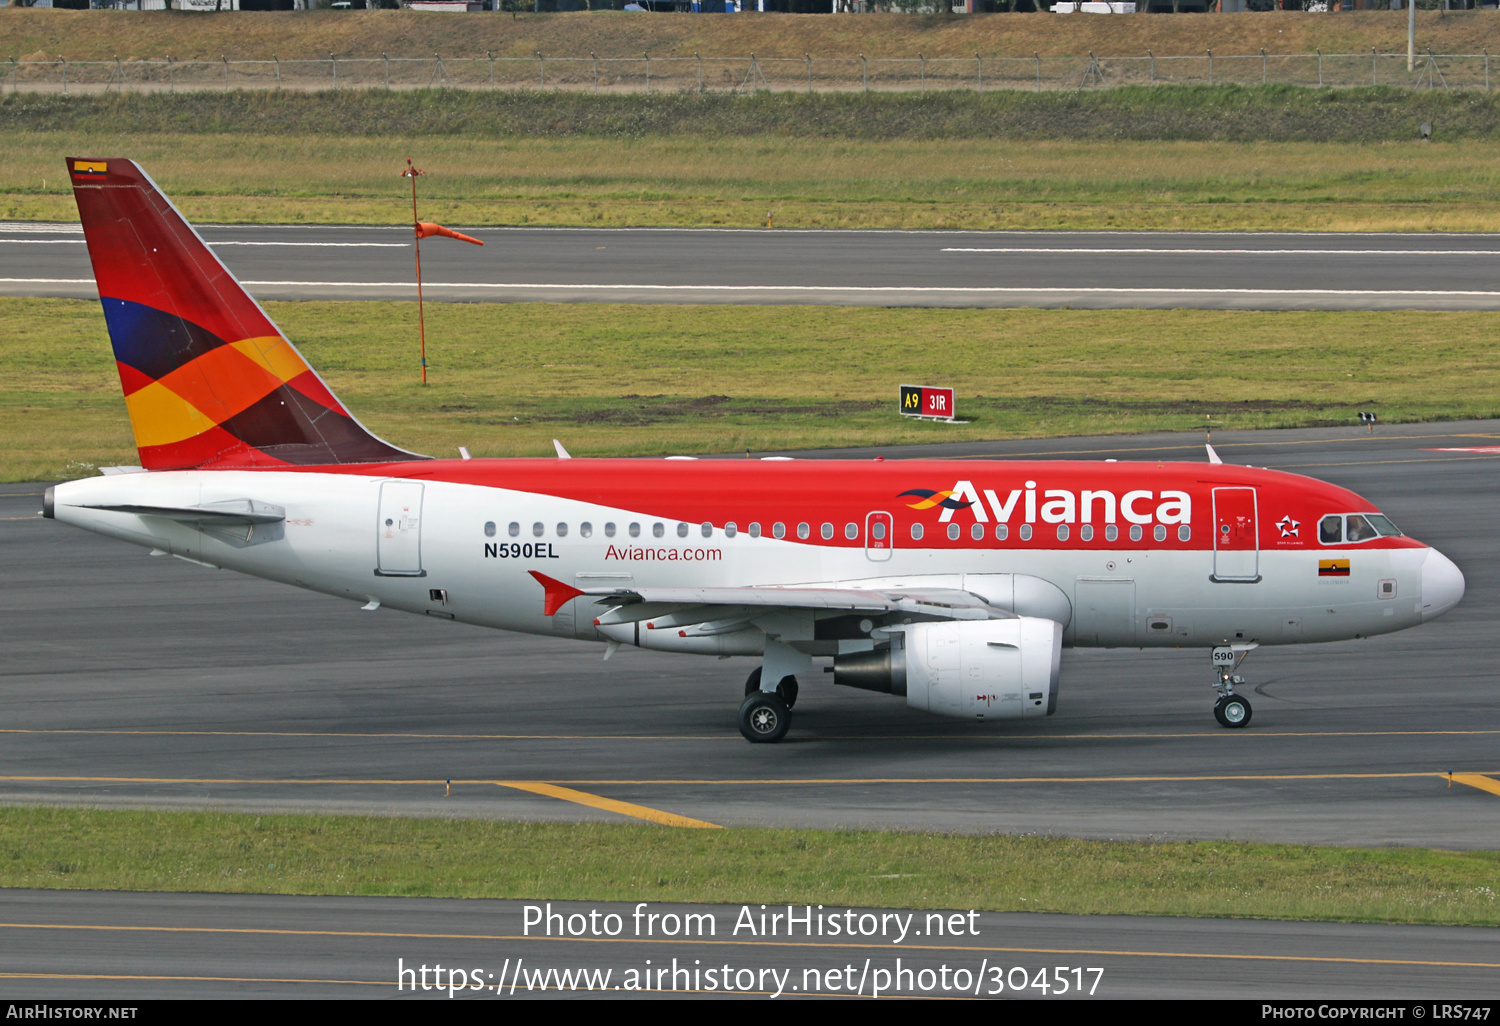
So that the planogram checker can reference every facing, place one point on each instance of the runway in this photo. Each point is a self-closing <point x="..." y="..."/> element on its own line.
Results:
<point x="1096" y="270"/>
<point x="133" y="681"/>
<point x="122" y="947"/>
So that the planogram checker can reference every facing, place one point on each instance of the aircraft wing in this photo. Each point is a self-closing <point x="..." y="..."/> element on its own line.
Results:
<point x="675" y="606"/>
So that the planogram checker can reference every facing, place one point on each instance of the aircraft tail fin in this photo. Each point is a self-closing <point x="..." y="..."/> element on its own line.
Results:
<point x="209" y="380"/>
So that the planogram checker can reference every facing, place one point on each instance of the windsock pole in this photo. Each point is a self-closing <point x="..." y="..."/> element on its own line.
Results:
<point x="412" y="173"/>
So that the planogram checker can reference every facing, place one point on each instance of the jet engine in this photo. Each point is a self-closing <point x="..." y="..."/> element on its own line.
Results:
<point x="979" y="669"/>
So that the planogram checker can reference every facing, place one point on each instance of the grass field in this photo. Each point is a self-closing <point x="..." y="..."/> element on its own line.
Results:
<point x="99" y="35"/>
<point x="805" y="182"/>
<point x="632" y="380"/>
<point x="296" y="854"/>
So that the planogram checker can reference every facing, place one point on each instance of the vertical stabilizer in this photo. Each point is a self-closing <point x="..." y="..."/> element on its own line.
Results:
<point x="209" y="380"/>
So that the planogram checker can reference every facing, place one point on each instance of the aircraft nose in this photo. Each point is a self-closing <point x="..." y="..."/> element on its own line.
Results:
<point x="1442" y="585"/>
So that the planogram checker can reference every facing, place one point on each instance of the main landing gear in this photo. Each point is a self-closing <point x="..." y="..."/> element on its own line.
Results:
<point x="1232" y="709"/>
<point x="767" y="715"/>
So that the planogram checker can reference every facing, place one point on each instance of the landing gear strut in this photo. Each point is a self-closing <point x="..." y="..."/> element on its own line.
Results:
<point x="787" y="689"/>
<point x="1232" y="709"/>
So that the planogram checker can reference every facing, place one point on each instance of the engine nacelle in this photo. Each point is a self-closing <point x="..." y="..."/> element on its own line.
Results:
<point x="975" y="669"/>
<point x="984" y="669"/>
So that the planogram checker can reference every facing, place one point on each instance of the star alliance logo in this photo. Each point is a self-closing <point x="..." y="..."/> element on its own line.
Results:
<point x="1288" y="526"/>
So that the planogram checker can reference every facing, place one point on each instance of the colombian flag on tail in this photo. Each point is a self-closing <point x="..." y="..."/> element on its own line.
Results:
<point x="209" y="381"/>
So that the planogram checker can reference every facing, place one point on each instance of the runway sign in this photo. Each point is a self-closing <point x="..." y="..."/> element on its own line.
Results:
<point x="924" y="401"/>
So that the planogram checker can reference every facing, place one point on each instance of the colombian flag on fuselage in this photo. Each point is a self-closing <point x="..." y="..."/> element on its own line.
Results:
<point x="1333" y="568"/>
<point x="209" y="380"/>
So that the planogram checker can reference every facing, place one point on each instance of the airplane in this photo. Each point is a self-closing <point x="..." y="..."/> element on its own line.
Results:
<point x="954" y="585"/>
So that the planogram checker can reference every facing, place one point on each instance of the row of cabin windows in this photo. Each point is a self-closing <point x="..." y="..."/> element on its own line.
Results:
<point x="851" y="531"/>
<point x="1064" y="532"/>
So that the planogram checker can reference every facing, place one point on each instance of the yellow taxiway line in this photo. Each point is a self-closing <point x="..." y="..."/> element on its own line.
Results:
<point x="751" y="781"/>
<point x="1238" y="736"/>
<point x="595" y="801"/>
<point x="1478" y="780"/>
<point x="706" y="942"/>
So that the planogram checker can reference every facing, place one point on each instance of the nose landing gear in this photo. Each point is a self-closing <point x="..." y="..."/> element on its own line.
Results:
<point x="1232" y="709"/>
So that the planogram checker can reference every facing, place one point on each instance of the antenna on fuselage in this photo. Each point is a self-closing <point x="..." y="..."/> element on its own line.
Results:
<point x="562" y="453"/>
<point x="1213" y="457"/>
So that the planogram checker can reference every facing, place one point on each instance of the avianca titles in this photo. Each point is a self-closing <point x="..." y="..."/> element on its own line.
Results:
<point x="955" y="586"/>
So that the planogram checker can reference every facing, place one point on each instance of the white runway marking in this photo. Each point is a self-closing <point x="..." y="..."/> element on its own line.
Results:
<point x="923" y="289"/>
<point x="50" y="229"/>
<point x="327" y="245"/>
<point x="1226" y="252"/>
<point x="322" y="245"/>
<point x="826" y="289"/>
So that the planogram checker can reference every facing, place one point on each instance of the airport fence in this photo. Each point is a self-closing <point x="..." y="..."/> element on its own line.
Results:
<point x="697" y="74"/>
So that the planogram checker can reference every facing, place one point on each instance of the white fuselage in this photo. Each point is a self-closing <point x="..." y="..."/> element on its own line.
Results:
<point x="449" y="567"/>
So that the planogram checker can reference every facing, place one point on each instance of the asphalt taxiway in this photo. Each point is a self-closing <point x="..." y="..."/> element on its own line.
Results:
<point x="1115" y="270"/>
<point x="138" y="681"/>
<point x="93" y="946"/>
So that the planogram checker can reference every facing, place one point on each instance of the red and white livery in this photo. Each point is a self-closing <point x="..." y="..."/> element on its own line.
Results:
<point x="955" y="585"/>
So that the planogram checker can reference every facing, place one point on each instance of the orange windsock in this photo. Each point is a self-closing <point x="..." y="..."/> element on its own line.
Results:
<point x="426" y="228"/>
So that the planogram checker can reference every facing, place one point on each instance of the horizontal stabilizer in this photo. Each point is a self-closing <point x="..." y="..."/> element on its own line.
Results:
<point x="233" y="513"/>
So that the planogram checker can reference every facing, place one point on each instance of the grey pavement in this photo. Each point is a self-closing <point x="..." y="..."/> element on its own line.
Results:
<point x="1115" y="270"/>
<point x="137" y="681"/>
<point x="88" y="945"/>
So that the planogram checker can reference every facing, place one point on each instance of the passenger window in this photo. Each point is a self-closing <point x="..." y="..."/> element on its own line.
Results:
<point x="1111" y="532"/>
<point x="953" y="532"/>
<point x="586" y="530"/>
<point x="707" y="529"/>
<point x="682" y="530"/>
<point x="1026" y="532"/>
<point x="778" y="530"/>
<point x="1062" y="532"/>
<point x="635" y="530"/>
<point x="489" y="529"/>
<point x="658" y="529"/>
<point x="1331" y="530"/>
<point x="537" y="529"/>
<point x="514" y="529"/>
<point x="851" y="531"/>
<point x="803" y="531"/>
<point x="827" y="531"/>
<point x="1086" y="532"/>
<point x="754" y="529"/>
<point x="916" y="532"/>
<point x="877" y="531"/>
<point x="1001" y="532"/>
<point x="1135" y="532"/>
<point x="562" y="530"/>
<point x="1160" y="533"/>
<point x="609" y="530"/>
<point x="1358" y="529"/>
<point x="730" y="529"/>
<point x="1184" y="533"/>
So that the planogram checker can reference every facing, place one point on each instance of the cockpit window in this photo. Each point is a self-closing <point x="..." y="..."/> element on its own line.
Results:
<point x="1357" y="528"/>
<point x="1331" y="530"/>
<point x="1353" y="528"/>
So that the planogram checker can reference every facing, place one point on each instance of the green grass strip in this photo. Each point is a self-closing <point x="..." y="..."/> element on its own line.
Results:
<point x="625" y="380"/>
<point x="1222" y="113"/>
<point x="300" y="854"/>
